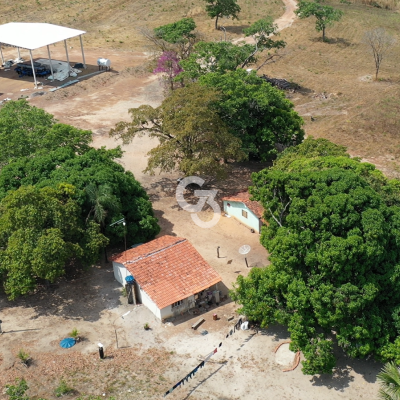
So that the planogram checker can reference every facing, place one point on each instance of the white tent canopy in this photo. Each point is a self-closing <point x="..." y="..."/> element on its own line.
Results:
<point x="31" y="36"/>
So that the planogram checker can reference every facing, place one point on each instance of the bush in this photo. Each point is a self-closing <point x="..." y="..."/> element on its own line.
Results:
<point x="17" y="391"/>
<point x="63" y="389"/>
<point x="74" y="333"/>
<point x="23" y="356"/>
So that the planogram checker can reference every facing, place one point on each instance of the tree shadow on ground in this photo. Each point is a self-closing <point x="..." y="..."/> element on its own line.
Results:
<point x="166" y="225"/>
<point x="165" y="187"/>
<point x="237" y="29"/>
<point x="278" y="332"/>
<point x="85" y="297"/>
<point x="300" y="89"/>
<point x="238" y="179"/>
<point x="341" y="42"/>
<point x="342" y="377"/>
<point x="339" y="380"/>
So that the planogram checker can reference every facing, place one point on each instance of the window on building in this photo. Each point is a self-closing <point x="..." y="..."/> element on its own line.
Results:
<point x="244" y="213"/>
<point x="177" y="303"/>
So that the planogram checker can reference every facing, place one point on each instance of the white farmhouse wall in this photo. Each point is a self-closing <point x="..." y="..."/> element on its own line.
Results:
<point x="166" y="312"/>
<point x="149" y="303"/>
<point x="120" y="273"/>
<point x="235" y="210"/>
<point x="170" y="311"/>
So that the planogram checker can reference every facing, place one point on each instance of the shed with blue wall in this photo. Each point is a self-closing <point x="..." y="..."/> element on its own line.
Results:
<point x="246" y="211"/>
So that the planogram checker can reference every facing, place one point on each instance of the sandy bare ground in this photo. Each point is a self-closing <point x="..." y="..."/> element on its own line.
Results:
<point x="147" y="363"/>
<point x="286" y="20"/>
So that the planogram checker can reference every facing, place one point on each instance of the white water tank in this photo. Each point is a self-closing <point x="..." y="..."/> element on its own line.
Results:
<point x="104" y="62"/>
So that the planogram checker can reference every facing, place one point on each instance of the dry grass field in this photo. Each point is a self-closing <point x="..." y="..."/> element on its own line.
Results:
<point x="115" y="24"/>
<point x="347" y="106"/>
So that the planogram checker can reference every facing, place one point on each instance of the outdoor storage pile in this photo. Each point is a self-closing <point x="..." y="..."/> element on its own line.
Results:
<point x="282" y="84"/>
<point x="26" y="70"/>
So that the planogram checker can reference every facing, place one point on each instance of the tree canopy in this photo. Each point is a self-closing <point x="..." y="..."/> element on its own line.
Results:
<point x="94" y="167"/>
<point x="222" y="8"/>
<point x="168" y="65"/>
<point x="192" y="137"/>
<point x="178" y="37"/>
<point x="333" y="238"/>
<point x="40" y="231"/>
<point x="58" y="197"/>
<point x="176" y="32"/>
<point x="221" y="57"/>
<point x="255" y="112"/>
<point x="218" y="57"/>
<point x="262" y="31"/>
<point x="219" y="119"/>
<point x="325" y="15"/>
<point x="27" y="130"/>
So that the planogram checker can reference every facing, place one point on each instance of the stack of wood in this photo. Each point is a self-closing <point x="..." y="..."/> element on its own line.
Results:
<point x="282" y="84"/>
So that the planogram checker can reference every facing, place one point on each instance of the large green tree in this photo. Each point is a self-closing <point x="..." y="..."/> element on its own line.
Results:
<point x="221" y="57"/>
<point x="27" y="130"/>
<point x="178" y="37"/>
<point x="58" y="197"/>
<point x="255" y="112"/>
<point x="40" y="233"/>
<point x="94" y="167"/>
<point x="333" y="238"/>
<point x="325" y="15"/>
<point x="218" y="57"/>
<point x="180" y="34"/>
<point x="222" y="8"/>
<point x="192" y="137"/>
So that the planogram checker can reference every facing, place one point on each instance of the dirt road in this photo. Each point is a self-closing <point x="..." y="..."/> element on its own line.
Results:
<point x="286" y="20"/>
<point x="283" y="22"/>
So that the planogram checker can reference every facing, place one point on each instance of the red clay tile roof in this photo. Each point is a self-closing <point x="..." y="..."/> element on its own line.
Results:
<point x="168" y="269"/>
<point x="244" y="197"/>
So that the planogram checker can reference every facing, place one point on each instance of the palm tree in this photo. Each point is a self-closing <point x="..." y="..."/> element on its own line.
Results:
<point x="389" y="379"/>
<point x="102" y="201"/>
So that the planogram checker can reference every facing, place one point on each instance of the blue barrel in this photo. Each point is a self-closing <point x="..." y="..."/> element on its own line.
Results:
<point x="129" y="280"/>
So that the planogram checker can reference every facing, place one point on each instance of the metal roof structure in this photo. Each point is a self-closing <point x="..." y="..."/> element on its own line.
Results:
<point x="31" y="36"/>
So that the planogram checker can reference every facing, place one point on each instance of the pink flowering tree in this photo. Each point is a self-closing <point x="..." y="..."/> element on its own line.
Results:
<point x="168" y="65"/>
